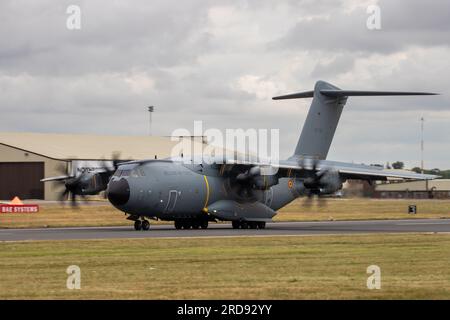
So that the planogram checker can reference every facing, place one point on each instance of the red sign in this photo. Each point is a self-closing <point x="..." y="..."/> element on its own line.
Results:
<point x="19" y="208"/>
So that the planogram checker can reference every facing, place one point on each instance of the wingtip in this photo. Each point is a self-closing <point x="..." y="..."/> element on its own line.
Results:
<point x="428" y="93"/>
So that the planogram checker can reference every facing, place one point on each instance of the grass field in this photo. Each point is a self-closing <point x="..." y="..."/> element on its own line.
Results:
<point x="52" y="215"/>
<point x="361" y="208"/>
<point x="414" y="266"/>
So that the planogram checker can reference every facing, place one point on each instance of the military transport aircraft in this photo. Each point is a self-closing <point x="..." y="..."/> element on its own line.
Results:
<point x="246" y="193"/>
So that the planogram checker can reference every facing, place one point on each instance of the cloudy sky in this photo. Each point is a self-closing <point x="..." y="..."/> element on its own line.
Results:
<point x="222" y="61"/>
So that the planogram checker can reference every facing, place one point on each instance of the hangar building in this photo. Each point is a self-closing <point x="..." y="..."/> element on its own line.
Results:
<point x="431" y="189"/>
<point x="26" y="158"/>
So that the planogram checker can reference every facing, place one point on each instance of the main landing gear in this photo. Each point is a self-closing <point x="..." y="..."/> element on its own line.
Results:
<point x="191" y="223"/>
<point x="141" y="225"/>
<point x="248" y="224"/>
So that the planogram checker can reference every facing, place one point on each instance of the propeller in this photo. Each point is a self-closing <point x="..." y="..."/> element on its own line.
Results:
<point x="240" y="183"/>
<point x="243" y="181"/>
<point x="319" y="182"/>
<point x="62" y="170"/>
<point x="85" y="183"/>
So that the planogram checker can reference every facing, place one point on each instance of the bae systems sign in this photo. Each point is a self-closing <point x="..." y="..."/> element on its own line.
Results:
<point x="17" y="206"/>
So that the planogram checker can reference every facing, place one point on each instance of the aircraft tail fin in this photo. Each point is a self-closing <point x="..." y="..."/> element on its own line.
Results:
<point x="324" y="113"/>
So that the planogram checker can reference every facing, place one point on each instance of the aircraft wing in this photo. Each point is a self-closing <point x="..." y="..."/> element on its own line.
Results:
<point x="287" y="168"/>
<point x="383" y="174"/>
<point x="58" y="178"/>
<point x="346" y="170"/>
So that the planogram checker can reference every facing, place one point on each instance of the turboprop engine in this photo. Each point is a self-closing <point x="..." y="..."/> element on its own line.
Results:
<point x="324" y="182"/>
<point x="261" y="178"/>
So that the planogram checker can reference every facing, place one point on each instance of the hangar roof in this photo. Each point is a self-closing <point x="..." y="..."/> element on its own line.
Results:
<point x="91" y="147"/>
<point x="437" y="185"/>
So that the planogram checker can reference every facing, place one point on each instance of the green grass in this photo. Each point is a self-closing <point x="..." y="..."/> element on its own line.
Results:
<point x="362" y="208"/>
<point x="413" y="266"/>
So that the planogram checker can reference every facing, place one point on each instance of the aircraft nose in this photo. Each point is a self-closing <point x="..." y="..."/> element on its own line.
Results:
<point x="119" y="192"/>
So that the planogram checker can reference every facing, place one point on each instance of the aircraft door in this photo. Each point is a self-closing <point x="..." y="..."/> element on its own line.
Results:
<point x="171" y="202"/>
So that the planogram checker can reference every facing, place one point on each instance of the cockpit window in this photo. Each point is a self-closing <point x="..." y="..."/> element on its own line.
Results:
<point x="122" y="173"/>
<point x="137" y="172"/>
<point x="125" y="173"/>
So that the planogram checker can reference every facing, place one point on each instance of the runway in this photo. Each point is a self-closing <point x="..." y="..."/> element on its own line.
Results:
<point x="225" y="230"/>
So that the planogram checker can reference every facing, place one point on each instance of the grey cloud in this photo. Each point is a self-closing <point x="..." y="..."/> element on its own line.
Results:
<point x="404" y="23"/>
<point x="340" y="64"/>
<point x="114" y="36"/>
<point x="55" y="80"/>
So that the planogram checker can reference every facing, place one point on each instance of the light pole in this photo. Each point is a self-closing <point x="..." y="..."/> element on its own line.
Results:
<point x="150" y="111"/>
<point x="422" y="121"/>
<point x="421" y="143"/>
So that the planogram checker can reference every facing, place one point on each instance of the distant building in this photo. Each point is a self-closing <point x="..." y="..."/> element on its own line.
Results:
<point x="431" y="189"/>
<point x="358" y="188"/>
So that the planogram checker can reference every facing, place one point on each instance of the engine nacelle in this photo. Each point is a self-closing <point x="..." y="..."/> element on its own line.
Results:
<point x="264" y="182"/>
<point x="330" y="182"/>
<point x="325" y="182"/>
<point x="87" y="184"/>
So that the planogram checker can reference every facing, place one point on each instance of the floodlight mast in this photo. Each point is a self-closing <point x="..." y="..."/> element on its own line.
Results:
<point x="421" y="143"/>
<point x="151" y="109"/>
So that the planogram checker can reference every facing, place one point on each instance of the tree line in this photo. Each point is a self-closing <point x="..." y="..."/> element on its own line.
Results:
<point x="445" y="174"/>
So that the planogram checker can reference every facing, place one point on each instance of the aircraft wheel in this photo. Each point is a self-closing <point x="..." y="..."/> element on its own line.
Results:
<point x="261" y="225"/>
<point x="204" y="224"/>
<point x="145" y="225"/>
<point x="178" y="224"/>
<point x="244" y="225"/>
<point x="253" y="225"/>
<point x="137" y="225"/>
<point x="195" y="225"/>
<point x="235" y="224"/>
<point x="186" y="224"/>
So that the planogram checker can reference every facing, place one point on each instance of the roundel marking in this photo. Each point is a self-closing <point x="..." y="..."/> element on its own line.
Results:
<point x="290" y="183"/>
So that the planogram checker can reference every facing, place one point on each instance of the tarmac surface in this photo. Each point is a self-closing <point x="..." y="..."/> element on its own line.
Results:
<point x="225" y="230"/>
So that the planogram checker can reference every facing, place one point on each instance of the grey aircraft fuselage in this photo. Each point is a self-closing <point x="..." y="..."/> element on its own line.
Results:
<point x="172" y="189"/>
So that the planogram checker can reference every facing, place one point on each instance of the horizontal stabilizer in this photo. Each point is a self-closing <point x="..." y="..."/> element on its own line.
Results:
<point x="350" y="93"/>
<point x="355" y="93"/>
<point x="306" y="94"/>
